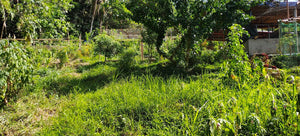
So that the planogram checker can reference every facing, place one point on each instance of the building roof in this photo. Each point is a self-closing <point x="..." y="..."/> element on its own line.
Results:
<point x="271" y="12"/>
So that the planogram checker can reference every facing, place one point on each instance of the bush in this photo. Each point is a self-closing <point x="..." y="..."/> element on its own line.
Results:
<point x="85" y="50"/>
<point x="284" y="61"/>
<point x="107" y="46"/>
<point x="15" y="69"/>
<point x="127" y="61"/>
<point x="237" y="67"/>
<point x="63" y="57"/>
<point x="41" y="55"/>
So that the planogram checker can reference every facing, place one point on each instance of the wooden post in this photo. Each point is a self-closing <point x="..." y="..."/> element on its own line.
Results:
<point x="142" y="50"/>
<point x="295" y="11"/>
<point x="296" y="28"/>
<point x="288" y="9"/>
<point x="79" y="41"/>
<point x="68" y="38"/>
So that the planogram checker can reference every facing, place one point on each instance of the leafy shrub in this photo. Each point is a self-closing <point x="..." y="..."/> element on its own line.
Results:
<point x="284" y="61"/>
<point x="86" y="50"/>
<point x="207" y="57"/>
<point x="127" y="61"/>
<point x="237" y="67"/>
<point x="129" y="43"/>
<point x="149" y="38"/>
<point x="63" y="57"/>
<point x="107" y="45"/>
<point x="15" y="69"/>
<point x="41" y="55"/>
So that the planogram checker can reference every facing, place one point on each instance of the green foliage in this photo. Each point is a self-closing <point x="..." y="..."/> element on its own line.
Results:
<point x="127" y="61"/>
<point x="15" y="69"/>
<point x="284" y="61"/>
<point x="94" y="99"/>
<point x="102" y="13"/>
<point x="39" y="18"/>
<point x="237" y="67"/>
<point x="85" y="50"/>
<point x="288" y="44"/>
<point x="148" y="37"/>
<point x="107" y="45"/>
<point x="208" y="57"/>
<point x="63" y="57"/>
<point x="147" y="105"/>
<point x="194" y="20"/>
<point x="41" y="55"/>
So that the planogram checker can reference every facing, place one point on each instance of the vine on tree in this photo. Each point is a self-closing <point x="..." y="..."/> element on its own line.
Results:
<point x="237" y="67"/>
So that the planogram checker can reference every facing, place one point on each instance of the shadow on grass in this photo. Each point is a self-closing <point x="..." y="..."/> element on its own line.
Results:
<point x="83" y="68"/>
<point x="86" y="78"/>
<point x="91" y="77"/>
<point x="64" y="86"/>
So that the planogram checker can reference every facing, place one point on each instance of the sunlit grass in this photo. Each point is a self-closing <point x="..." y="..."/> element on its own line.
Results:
<point x="95" y="100"/>
<point x="147" y="105"/>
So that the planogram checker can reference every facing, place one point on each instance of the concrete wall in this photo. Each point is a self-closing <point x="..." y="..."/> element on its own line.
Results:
<point x="258" y="46"/>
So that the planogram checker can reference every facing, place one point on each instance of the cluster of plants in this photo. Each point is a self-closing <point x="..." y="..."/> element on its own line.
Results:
<point x="128" y="96"/>
<point x="15" y="70"/>
<point x="137" y="103"/>
<point x="286" y="61"/>
<point x="107" y="45"/>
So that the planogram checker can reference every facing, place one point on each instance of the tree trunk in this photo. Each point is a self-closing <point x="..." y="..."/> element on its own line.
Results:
<point x="103" y="16"/>
<point x="182" y="43"/>
<point x="159" y="42"/>
<point x="188" y="46"/>
<point x="93" y="17"/>
<point x="3" y="26"/>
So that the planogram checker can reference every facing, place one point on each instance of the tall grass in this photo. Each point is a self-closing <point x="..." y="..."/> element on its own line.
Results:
<point x="125" y="98"/>
<point x="147" y="105"/>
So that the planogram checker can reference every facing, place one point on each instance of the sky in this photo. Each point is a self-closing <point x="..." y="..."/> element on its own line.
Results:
<point x="289" y="0"/>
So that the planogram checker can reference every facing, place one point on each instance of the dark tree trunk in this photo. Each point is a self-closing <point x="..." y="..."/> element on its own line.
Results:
<point x="159" y="42"/>
<point x="189" y="42"/>
<point x="93" y="17"/>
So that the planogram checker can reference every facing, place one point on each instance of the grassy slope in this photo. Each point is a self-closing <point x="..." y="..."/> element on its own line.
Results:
<point x="91" y="101"/>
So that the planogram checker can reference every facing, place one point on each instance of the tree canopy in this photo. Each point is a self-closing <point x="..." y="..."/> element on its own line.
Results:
<point x="56" y="19"/>
<point x="88" y="15"/>
<point x="195" y="20"/>
<point x="39" y="18"/>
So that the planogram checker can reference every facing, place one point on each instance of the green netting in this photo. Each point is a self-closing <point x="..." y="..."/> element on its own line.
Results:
<point x="289" y="38"/>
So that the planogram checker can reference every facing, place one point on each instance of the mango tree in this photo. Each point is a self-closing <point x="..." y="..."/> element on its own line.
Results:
<point x="194" y="19"/>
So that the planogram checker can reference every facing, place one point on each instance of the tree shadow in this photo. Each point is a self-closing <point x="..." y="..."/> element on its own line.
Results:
<point x="82" y="80"/>
<point x="80" y="69"/>
<point x="64" y="86"/>
<point x="90" y="83"/>
<point x="167" y="70"/>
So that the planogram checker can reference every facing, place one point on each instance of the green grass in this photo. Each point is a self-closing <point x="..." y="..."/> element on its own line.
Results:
<point x="147" y="105"/>
<point x="96" y="99"/>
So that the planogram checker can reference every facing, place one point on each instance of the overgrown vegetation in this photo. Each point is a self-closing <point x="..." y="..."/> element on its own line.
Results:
<point x="187" y="86"/>
<point x="107" y="45"/>
<point x="15" y="70"/>
<point x="130" y="97"/>
<point x="284" y="61"/>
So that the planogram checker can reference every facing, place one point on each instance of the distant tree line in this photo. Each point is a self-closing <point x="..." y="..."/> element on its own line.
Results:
<point x="59" y="18"/>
